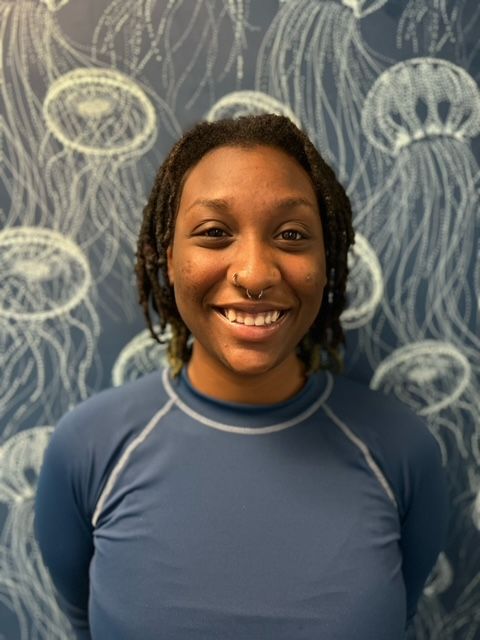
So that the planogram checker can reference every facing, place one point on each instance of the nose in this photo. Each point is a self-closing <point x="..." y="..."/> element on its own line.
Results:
<point x="254" y="266"/>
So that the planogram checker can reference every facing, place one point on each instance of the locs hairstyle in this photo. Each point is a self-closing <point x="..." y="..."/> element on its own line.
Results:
<point x="321" y="347"/>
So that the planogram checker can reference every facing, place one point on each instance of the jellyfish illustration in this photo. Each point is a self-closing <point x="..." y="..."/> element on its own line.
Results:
<point x="364" y="286"/>
<point x="102" y="122"/>
<point x="33" y="53"/>
<point x="48" y="326"/>
<point x="314" y="60"/>
<point x="427" y="375"/>
<point x="430" y="617"/>
<point x="441" y="577"/>
<point x="463" y="620"/>
<point x="242" y="103"/>
<point x="25" y="586"/>
<point x="438" y="382"/>
<point x="99" y="112"/>
<point x="149" y="32"/>
<point x="141" y="355"/>
<point x="422" y="219"/>
<point x="429" y="25"/>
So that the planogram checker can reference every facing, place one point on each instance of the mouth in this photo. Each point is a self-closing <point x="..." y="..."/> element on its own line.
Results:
<point x="264" y="319"/>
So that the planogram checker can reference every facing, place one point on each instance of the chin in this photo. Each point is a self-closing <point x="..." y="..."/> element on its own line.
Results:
<point x="251" y="367"/>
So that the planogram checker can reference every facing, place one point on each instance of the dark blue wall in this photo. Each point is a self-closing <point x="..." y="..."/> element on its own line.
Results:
<point x="92" y="95"/>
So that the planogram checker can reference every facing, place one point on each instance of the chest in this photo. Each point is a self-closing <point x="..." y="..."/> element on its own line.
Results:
<point x="247" y="542"/>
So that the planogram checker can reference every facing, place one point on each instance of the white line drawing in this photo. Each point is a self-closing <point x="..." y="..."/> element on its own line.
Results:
<point x="461" y="620"/>
<point x="422" y="220"/>
<point x="48" y="326"/>
<point x="25" y="585"/>
<point x="102" y="122"/>
<point x="429" y="621"/>
<point x="364" y="285"/>
<point x="429" y="25"/>
<point x="55" y="5"/>
<point x="157" y="33"/>
<point x="33" y="53"/>
<point x="242" y="103"/>
<point x="441" y="577"/>
<point x="143" y="354"/>
<point x="427" y="375"/>
<point x="101" y="112"/>
<point x="313" y="59"/>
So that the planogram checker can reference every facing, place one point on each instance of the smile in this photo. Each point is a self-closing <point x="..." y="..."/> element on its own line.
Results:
<point x="265" y="318"/>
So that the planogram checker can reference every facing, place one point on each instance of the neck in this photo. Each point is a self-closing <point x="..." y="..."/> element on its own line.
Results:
<point x="276" y="385"/>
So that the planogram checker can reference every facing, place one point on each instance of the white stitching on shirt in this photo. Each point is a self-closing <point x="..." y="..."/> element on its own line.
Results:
<point x="366" y="452"/>
<point x="122" y="462"/>
<point x="252" y="431"/>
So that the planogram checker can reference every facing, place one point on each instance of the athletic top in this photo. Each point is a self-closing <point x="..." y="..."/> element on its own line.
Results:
<point x="166" y="514"/>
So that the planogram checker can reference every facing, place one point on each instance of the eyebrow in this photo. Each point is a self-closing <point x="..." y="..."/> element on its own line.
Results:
<point x="220" y="204"/>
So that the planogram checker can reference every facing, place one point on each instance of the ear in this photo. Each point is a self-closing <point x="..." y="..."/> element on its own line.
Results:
<point x="170" y="269"/>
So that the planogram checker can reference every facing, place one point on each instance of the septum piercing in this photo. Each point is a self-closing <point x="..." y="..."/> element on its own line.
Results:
<point x="254" y="296"/>
<point x="250" y="295"/>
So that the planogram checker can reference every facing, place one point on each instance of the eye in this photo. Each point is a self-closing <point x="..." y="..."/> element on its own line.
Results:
<point x="214" y="232"/>
<point x="292" y="234"/>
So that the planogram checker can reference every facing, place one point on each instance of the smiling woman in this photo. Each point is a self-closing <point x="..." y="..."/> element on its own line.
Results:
<point x="247" y="490"/>
<point x="247" y="265"/>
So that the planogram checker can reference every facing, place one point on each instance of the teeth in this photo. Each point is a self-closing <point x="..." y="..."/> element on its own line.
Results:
<point x="250" y="319"/>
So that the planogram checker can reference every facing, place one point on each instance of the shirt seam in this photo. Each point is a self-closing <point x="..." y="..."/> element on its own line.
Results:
<point x="124" y="458"/>
<point x="220" y="426"/>
<point x="360" y="444"/>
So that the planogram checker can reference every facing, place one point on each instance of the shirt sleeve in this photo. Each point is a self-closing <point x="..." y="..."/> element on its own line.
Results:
<point x="62" y="528"/>
<point x="424" y="522"/>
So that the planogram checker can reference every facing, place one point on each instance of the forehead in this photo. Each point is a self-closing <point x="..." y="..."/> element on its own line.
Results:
<point x="237" y="169"/>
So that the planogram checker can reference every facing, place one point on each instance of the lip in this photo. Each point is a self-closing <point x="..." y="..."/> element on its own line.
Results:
<point x="249" y="307"/>
<point x="252" y="333"/>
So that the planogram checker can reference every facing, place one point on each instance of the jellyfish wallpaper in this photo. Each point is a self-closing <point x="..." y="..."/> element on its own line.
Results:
<point x="93" y="93"/>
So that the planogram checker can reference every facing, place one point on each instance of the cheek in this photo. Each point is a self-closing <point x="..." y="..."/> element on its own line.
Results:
<point x="192" y="281"/>
<point x="314" y="278"/>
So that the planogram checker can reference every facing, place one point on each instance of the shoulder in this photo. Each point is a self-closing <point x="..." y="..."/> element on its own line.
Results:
<point x="398" y="439"/>
<point x="88" y="440"/>
<point x="378" y="417"/>
<point x="126" y="407"/>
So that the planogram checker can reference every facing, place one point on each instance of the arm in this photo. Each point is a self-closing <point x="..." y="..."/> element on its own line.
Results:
<point x="63" y="530"/>
<point x="425" y="521"/>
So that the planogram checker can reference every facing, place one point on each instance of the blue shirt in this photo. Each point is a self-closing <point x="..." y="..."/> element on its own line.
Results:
<point x="162" y="513"/>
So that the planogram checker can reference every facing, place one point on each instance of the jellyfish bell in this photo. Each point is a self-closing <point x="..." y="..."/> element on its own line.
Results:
<point x="140" y="356"/>
<point x="101" y="113"/>
<point x="94" y="108"/>
<point x="31" y="270"/>
<point x="428" y="375"/>
<point x="45" y="275"/>
<point x="243" y="103"/>
<point x="420" y="98"/>
<point x="364" y="284"/>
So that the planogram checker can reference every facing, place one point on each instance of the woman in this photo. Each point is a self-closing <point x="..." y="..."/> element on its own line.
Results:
<point x="246" y="492"/>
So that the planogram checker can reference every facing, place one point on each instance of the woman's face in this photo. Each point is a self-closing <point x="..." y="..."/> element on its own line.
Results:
<point x="251" y="212"/>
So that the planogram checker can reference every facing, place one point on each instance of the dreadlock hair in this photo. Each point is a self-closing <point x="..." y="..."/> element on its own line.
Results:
<point x="322" y="346"/>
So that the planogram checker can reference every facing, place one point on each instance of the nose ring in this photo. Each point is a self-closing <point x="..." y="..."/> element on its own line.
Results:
<point x="254" y="296"/>
<point x="250" y="294"/>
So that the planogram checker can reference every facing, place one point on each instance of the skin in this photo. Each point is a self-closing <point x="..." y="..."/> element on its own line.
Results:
<point x="252" y="212"/>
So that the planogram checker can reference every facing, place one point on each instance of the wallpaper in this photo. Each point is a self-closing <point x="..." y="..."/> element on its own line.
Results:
<point x="92" y="95"/>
